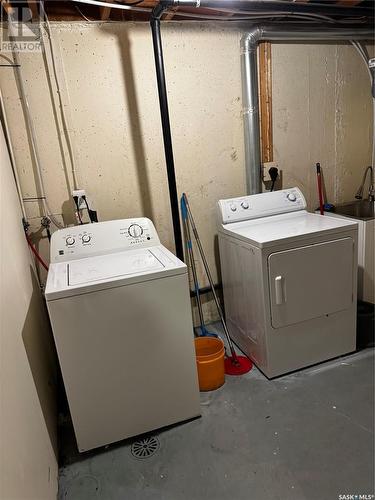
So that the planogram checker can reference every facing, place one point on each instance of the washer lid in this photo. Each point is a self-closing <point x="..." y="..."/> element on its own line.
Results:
<point x="105" y="267"/>
<point x="76" y="277"/>
<point x="269" y="231"/>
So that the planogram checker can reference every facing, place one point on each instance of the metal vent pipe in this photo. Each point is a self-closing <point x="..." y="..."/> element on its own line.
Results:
<point x="249" y="71"/>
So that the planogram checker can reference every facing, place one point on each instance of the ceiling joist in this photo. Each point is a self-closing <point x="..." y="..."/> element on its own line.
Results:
<point x="341" y="11"/>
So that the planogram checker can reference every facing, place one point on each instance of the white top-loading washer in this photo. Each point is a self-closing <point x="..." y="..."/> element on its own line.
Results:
<point x="120" y="311"/>
<point x="289" y="280"/>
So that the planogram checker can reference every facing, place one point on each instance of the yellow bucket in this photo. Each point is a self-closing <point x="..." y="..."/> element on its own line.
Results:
<point x="209" y="353"/>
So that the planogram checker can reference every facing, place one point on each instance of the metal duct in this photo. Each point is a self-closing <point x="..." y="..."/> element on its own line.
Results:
<point x="250" y="99"/>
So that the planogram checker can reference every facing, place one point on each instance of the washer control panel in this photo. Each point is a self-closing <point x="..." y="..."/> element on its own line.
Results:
<point x="260" y="205"/>
<point x="99" y="238"/>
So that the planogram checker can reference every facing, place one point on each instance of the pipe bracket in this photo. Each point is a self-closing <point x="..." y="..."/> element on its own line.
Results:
<point x="250" y="110"/>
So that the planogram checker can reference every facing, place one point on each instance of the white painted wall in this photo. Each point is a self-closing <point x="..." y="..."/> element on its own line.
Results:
<point x="321" y="102"/>
<point x="28" y="421"/>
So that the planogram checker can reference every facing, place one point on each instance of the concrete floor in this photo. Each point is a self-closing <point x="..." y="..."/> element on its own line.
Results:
<point x="304" y="436"/>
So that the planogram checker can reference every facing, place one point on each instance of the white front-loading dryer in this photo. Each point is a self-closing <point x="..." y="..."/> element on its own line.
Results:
<point x="289" y="280"/>
<point x="119" y="306"/>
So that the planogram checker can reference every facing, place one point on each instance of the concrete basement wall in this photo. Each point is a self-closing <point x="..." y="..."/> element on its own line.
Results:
<point x="321" y="102"/>
<point x="28" y="420"/>
<point x="322" y="112"/>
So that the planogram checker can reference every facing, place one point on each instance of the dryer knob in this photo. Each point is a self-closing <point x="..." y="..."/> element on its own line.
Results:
<point x="233" y="207"/>
<point x="70" y="240"/>
<point x="86" y="238"/>
<point x="291" y="197"/>
<point x="245" y="205"/>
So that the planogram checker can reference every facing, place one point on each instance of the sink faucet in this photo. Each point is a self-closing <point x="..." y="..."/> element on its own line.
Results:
<point x="371" y="192"/>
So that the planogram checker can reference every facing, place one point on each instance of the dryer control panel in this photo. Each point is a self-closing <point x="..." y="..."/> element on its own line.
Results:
<point x="87" y="240"/>
<point x="260" y="205"/>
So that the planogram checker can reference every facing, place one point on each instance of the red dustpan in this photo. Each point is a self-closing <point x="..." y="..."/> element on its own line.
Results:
<point x="237" y="365"/>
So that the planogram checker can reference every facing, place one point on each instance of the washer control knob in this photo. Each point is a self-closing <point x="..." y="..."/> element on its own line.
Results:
<point x="70" y="240"/>
<point x="245" y="205"/>
<point x="233" y="207"/>
<point x="86" y="238"/>
<point x="135" y="231"/>
<point x="291" y="197"/>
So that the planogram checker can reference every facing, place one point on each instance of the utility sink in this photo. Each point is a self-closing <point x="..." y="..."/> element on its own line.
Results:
<point x="359" y="209"/>
<point x="363" y="212"/>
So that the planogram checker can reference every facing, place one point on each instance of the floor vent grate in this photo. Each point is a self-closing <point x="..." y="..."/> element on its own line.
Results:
<point x="145" y="448"/>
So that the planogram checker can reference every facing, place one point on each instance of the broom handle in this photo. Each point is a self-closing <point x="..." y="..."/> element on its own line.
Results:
<point x="189" y="247"/>
<point x="209" y="277"/>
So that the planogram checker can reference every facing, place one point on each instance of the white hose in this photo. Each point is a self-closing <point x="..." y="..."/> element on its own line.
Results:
<point x="30" y="125"/>
<point x="362" y="53"/>
<point x="11" y="154"/>
<point x="83" y="15"/>
<point x="59" y="94"/>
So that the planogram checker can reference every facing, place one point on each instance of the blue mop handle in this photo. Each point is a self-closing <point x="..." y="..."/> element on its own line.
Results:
<point x="189" y="244"/>
<point x="184" y="216"/>
<point x="183" y="207"/>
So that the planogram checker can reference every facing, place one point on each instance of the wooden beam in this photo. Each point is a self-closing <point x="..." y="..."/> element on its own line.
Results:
<point x="170" y="14"/>
<point x="33" y="6"/>
<point x="265" y="91"/>
<point x="7" y="7"/>
<point x="105" y="12"/>
<point x="349" y="3"/>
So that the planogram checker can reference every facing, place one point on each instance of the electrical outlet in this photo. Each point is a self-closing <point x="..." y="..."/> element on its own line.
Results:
<point x="81" y="202"/>
<point x="265" y="168"/>
<point x="84" y="207"/>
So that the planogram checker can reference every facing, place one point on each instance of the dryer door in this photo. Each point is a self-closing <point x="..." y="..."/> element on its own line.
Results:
<point x="311" y="281"/>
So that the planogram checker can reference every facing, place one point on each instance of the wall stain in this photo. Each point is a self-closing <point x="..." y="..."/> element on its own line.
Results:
<point x="283" y="119"/>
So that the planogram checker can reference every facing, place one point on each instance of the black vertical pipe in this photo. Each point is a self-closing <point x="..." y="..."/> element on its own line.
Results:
<point x="168" y="149"/>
